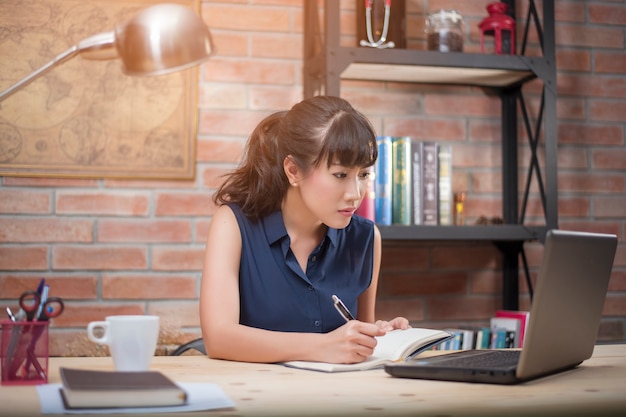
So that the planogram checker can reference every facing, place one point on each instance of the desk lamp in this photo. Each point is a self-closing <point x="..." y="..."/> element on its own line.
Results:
<point x="159" y="40"/>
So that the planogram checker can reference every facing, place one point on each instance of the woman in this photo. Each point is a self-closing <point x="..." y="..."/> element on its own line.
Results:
<point x="284" y="239"/>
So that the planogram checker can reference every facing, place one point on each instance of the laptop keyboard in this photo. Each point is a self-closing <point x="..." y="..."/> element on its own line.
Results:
<point x="482" y="360"/>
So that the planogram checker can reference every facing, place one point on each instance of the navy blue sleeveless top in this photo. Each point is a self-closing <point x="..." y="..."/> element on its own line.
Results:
<point x="275" y="294"/>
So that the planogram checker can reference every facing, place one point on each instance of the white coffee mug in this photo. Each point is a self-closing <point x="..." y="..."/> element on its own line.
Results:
<point x="131" y="340"/>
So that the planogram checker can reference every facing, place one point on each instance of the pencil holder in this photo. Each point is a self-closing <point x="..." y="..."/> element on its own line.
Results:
<point x="24" y="352"/>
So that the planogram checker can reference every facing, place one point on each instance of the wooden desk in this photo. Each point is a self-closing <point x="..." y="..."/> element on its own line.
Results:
<point x="595" y="388"/>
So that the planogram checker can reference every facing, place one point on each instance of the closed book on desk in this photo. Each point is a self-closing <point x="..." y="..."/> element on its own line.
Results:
<point x="395" y="346"/>
<point x="103" y="389"/>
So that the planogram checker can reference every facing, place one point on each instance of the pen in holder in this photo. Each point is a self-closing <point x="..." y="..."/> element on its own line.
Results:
<point x="24" y="350"/>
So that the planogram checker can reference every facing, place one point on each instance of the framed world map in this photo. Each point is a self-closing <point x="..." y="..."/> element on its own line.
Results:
<point x="86" y="118"/>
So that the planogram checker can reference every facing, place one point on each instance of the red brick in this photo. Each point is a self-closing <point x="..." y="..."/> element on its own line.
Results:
<point x="597" y="183"/>
<point x="579" y="35"/>
<point x="21" y="229"/>
<point x="185" y="313"/>
<point x="609" y="159"/>
<point x="567" y="11"/>
<point x="24" y="201"/>
<point x="246" y="17"/>
<point x="607" y="110"/>
<point x="276" y="98"/>
<point x="287" y="46"/>
<point x="618" y="281"/>
<point x="68" y="287"/>
<point x="202" y="231"/>
<point x="109" y="203"/>
<point x="596" y="135"/>
<point x="478" y="156"/>
<point x="81" y="314"/>
<point x="572" y="158"/>
<point x="486" y="282"/>
<point x="155" y="287"/>
<point x="425" y="129"/>
<point x="212" y="177"/>
<point x="573" y="60"/>
<point x="148" y="231"/>
<point x="481" y="130"/>
<point x="614" y="305"/>
<point x="406" y="284"/>
<point x="462" y="308"/>
<point x="383" y="102"/>
<point x="573" y="206"/>
<point x="449" y="257"/>
<point x="99" y="257"/>
<point x="177" y="259"/>
<point x="610" y="62"/>
<point x="50" y="182"/>
<point x="571" y="108"/>
<point x="610" y="207"/>
<point x="228" y="43"/>
<point x="461" y="105"/>
<point x="150" y="184"/>
<point x="14" y="258"/>
<point x="249" y="71"/>
<point x="476" y="206"/>
<point x="216" y="150"/>
<point x="405" y="256"/>
<point x="591" y="86"/>
<point x="607" y="14"/>
<point x="412" y="309"/>
<point x="240" y="123"/>
<point x="183" y="204"/>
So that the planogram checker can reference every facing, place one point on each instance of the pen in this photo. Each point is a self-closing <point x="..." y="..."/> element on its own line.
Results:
<point x="342" y="309"/>
<point x="10" y="313"/>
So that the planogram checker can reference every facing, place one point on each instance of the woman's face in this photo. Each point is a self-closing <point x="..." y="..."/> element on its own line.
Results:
<point x="333" y="193"/>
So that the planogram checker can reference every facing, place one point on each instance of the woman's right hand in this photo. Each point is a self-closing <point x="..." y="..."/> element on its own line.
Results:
<point x="351" y="343"/>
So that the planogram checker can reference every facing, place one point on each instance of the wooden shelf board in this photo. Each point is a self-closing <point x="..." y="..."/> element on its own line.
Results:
<point x="434" y="74"/>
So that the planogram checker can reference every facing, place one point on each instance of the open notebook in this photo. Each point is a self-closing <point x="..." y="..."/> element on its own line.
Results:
<point x="564" y="319"/>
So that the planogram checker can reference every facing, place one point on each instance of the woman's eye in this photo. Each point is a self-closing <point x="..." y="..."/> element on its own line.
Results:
<point x="366" y="175"/>
<point x="340" y="175"/>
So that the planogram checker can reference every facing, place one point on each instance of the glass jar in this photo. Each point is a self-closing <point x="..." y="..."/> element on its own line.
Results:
<point x="445" y="31"/>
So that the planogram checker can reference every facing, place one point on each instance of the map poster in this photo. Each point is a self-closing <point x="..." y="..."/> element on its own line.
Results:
<point x="86" y="118"/>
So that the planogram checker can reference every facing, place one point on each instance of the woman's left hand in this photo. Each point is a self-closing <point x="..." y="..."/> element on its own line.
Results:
<point x="397" y="323"/>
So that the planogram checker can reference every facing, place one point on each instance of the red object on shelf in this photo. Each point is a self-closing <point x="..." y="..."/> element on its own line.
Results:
<point x="501" y="26"/>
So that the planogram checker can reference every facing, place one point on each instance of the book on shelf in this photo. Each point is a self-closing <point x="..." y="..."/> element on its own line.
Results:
<point x="522" y="316"/>
<point x="430" y="180"/>
<point x="383" y="181"/>
<point x="111" y="389"/>
<point x="483" y="338"/>
<point x="413" y="184"/>
<point x="417" y="190"/>
<point x="401" y="181"/>
<point x="396" y="345"/>
<point x="504" y="332"/>
<point x="445" y="184"/>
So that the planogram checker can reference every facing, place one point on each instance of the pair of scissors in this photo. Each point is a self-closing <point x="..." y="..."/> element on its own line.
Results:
<point x="37" y="308"/>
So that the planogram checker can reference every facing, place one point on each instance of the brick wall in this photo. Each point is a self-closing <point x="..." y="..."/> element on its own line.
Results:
<point x="131" y="246"/>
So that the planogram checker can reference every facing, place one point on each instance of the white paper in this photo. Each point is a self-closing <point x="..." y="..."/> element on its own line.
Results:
<point x="200" y="396"/>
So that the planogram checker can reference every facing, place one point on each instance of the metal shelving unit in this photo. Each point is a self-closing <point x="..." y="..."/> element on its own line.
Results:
<point x="326" y="63"/>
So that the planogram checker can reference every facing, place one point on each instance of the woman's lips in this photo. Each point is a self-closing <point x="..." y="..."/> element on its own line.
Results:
<point x="347" y="212"/>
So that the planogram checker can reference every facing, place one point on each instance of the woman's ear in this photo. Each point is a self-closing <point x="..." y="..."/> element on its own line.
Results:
<point x="292" y="171"/>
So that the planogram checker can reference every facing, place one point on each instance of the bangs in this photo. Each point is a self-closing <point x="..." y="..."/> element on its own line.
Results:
<point x="349" y="141"/>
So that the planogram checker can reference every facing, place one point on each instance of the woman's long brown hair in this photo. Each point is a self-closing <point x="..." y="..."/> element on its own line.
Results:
<point x="322" y="128"/>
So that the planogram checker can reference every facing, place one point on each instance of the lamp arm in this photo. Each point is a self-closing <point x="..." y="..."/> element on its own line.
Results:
<point x="95" y="47"/>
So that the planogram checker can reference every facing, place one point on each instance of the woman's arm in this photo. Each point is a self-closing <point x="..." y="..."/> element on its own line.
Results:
<point x="225" y="338"/>
<point x="367" y="301"/>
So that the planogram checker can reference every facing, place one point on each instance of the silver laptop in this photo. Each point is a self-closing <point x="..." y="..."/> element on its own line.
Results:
<point x="563" y="324"/>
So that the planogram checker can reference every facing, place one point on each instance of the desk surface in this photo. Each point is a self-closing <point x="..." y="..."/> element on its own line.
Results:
<point x="597" y="387"/>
